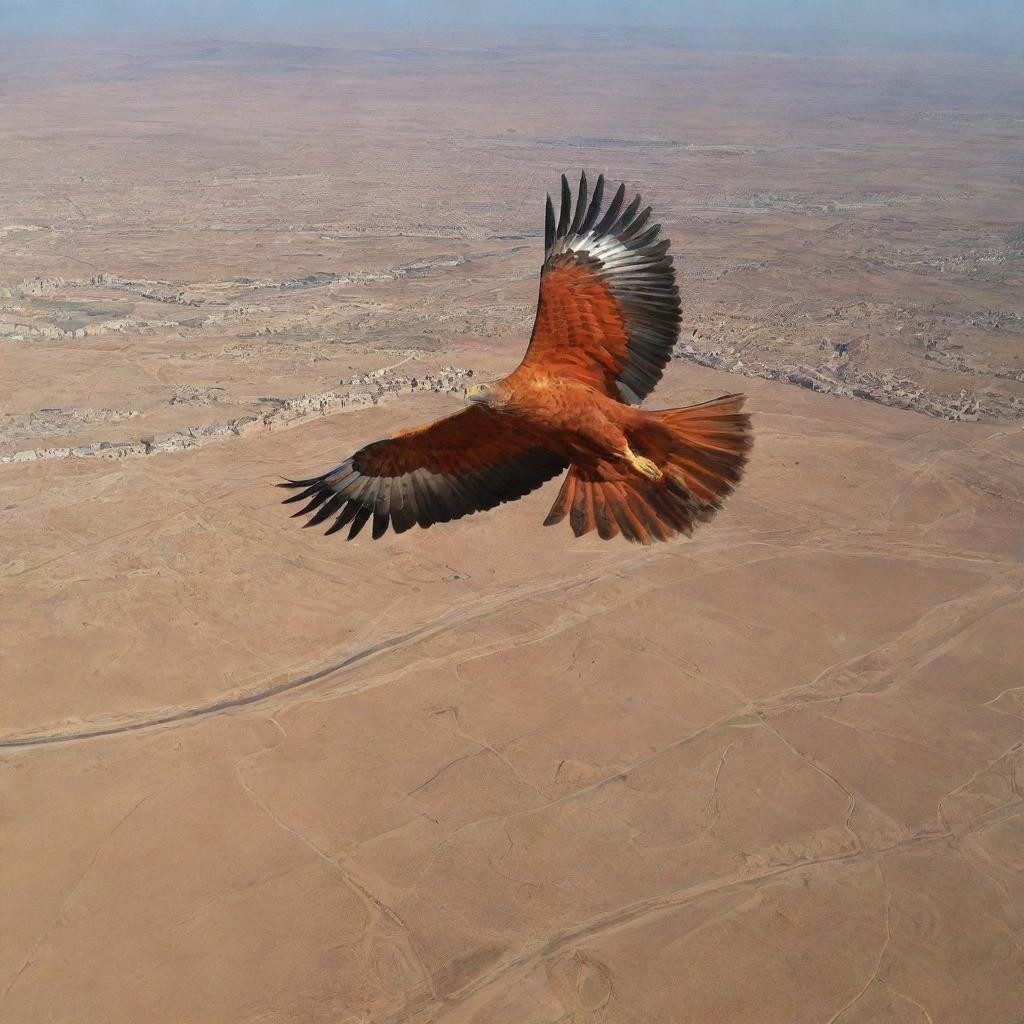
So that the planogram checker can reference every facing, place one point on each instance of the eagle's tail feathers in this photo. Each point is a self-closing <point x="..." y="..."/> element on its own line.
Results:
<point x="701" y="452"/>
<point x="702" y="449"/>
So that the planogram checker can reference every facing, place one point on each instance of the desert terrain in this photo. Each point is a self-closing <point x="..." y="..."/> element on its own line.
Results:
<point x="488" y="773"/>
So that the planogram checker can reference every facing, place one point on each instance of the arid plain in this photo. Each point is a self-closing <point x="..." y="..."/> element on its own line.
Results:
<point x="489" y="773"/>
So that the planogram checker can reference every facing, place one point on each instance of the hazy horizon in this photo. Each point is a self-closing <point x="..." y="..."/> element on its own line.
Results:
<point x="998" y="21"/>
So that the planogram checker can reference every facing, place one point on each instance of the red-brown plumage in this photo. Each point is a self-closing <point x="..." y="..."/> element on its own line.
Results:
<point x="470" y="439"/>
<point x="579" y="331"/>
<point x="607" y="318"/>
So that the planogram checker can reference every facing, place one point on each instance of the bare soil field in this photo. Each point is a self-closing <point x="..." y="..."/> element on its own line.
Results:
<point x="490" y="773"/>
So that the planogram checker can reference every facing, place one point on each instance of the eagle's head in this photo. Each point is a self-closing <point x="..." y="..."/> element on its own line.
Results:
<point x="484" y="394"/>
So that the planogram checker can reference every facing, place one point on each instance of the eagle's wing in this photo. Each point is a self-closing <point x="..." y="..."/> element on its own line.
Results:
<point x="447" y="469"/>
<point x="608" y="312"/>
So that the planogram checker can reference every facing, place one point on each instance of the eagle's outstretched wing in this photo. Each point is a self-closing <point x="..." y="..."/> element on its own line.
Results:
<point x="447" y="469"/>
<point x="608" y="312"/>
<point x="608" y="315"/>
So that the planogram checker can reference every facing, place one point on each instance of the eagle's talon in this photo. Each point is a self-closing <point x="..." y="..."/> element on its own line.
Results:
<point x="648" y="468"/>
<point x="645" y="467"/>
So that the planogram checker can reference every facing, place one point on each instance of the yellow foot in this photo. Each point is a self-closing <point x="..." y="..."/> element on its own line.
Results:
<point x="643" y="466"/>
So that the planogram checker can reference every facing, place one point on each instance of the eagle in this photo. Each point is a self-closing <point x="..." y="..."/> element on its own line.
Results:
<point x="607" y="319"/>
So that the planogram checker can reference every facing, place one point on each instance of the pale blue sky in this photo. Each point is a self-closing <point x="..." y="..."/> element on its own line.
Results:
<point x="1002" y="20"/>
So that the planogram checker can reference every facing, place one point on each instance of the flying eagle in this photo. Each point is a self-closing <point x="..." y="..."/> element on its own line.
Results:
<point x="607" y="319"/>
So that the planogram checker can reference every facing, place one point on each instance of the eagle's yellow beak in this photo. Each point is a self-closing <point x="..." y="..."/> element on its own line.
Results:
<point x="478" y="393"/>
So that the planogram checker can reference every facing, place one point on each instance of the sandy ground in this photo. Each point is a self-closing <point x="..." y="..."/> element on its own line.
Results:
<point x="489" y="774"/>
<point x="486" y="773"/>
